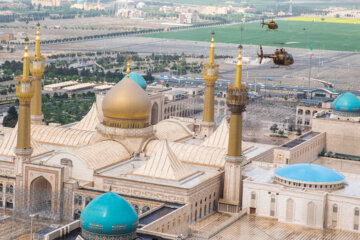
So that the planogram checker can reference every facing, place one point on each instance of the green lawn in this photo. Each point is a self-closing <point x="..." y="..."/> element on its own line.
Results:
<point x="329" y="36"/>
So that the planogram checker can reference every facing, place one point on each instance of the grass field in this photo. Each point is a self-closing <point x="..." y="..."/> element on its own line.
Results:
<point x="321" y="35"/>
<point x="326" y="19"/>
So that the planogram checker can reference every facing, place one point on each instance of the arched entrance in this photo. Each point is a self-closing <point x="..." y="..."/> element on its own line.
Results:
<point x="40" y="195"/>
<point x="154" y="114"/>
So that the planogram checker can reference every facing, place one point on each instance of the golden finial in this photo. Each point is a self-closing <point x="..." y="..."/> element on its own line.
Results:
<point x="212" y="50"/>
<point x="238" y="70"/>
<point x="26" y="63"/>
<point x="37" y="41"/>
<point x="128" y="67"/>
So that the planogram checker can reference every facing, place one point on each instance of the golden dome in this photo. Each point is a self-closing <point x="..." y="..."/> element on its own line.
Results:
<point x="126" y="105"/>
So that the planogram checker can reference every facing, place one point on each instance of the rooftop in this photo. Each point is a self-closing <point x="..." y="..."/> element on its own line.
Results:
<point x="299" y="140"/>
<point x="253" y="227"/>
<point x="124" y="169"/>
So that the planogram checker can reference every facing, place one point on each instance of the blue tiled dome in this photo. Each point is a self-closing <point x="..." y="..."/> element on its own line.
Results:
<point x="108" y="214"/>
<point x="305" y="172"/>
<point x="138" y="79"/>
<point x="346" y="102"/>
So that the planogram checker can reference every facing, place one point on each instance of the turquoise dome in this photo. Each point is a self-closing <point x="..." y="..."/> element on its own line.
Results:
<point x="138" y="79"/>
<point x="346" y="102"/>
<point x="306" y="172"/>
<point x="108" y="214"/>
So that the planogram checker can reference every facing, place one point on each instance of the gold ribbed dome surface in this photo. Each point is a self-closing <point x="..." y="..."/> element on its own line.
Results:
<point x="126" y="105"/>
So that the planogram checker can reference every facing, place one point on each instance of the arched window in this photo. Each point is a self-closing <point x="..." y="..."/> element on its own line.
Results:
<point x="1" y="202"/>
<point x="136" y="208"/>
<point x="334" y="215"/>
<point x="77" y="214"/>
<point x="356" y="218"/>
<point x="311" y="214"/>
<point x="289" y="210"/>
<point x="145" y="209"/>
<point x="78" y="199"/>
<point x="9" y="203"/>
<point x="1" y="187"/>
<point x="88" y="200"/>
<point x="272" y="205"/>
<point x="9" y="188"/>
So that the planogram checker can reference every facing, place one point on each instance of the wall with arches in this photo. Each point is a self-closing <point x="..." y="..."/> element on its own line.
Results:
<point x="7" y="192"/>
<point x="343" y="213"/>
<point x="296" y="207"/>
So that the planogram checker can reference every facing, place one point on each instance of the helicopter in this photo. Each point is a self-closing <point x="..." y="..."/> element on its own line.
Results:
<point x="270" y="24"/>
<point x="280" y="57"/>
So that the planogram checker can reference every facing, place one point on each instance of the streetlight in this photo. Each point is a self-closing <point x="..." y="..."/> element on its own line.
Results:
<point x="31" y="225"/>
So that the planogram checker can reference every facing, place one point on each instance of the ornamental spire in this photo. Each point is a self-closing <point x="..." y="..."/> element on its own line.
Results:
<point x="212" y="50"/>
<point x="128" y="67"/>
<point x="37" y="41"/>
<point x="237" y="83"/>
<point x="26" y="64"/>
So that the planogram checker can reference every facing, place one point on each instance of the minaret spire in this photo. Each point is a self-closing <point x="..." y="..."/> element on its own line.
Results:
<point x="212" y="50"/>
<point x="211" y="72"/>
<point x="238" y="70"/>
<point x="128" y="67"/>
<point x="37" y="68"/>
<point x="26" y="63"/>
<point x="37" y="41"/>
<point x="236" y="101"/>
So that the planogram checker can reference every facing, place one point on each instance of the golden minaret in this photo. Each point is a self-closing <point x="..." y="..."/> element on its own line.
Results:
<point x="236" y="101"/>
<point x="37" y="68"/>
<point x="24" y="91"/>
<point x="211" y="72"/>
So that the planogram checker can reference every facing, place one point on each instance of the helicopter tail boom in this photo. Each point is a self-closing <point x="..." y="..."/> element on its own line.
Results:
<point x="261" y="55"/>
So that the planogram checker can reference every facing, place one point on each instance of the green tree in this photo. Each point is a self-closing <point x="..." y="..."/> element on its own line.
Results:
<point x="291" y="127"/>
<point x="274" y="128"/>
<point x="11" y="118"/>
<point x="298" y="131"/>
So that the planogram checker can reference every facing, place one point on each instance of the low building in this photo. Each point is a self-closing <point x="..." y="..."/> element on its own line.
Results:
<point x="305" y="194"/>
<point x="58" y="86"/>
<point x="6" y="36"/>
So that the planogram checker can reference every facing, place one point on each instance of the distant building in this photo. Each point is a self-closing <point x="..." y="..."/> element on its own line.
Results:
<point x="188" y="18"/>
<point x="6" y="36"/>
<point x="130" y="13"/>
<point x="49" y="3"/>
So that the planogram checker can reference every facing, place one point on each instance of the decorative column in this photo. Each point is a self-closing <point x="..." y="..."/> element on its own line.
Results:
<point x="24" y="91"/>
<point x="236" y="100"/>
<point x="23" y="150"/>
<point x="211" y="72"/>
<point x="37" y="68"/>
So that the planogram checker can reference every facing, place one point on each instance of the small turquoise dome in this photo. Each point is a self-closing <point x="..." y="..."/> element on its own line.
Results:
<point x="108" y="215"/>
<point x="346" y="102"/>
<point x="309" y="173"/>
<point x="138" y="79"/>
